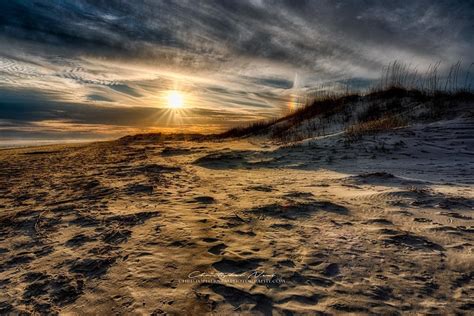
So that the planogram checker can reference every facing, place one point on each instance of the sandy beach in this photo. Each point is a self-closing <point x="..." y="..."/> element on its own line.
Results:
<point x="241" y="226"/>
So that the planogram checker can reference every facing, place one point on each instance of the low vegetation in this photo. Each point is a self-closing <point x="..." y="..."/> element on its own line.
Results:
<point x="402" y="96"/>
<point x="358" y="130"/>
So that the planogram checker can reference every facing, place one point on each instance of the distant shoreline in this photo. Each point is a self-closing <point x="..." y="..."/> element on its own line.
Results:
<point x="40" y="143"/>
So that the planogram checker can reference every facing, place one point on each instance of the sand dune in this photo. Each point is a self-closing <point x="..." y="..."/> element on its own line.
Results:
<point x="241" y="227"/>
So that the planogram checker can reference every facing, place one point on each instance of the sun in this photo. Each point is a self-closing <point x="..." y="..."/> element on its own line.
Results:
<point x="175" y="99"/>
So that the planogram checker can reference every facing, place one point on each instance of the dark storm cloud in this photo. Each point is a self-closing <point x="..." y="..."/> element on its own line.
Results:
<point x="252" y="50"/>
<point x="297" y="32"/>
<point x="29" y="106"/>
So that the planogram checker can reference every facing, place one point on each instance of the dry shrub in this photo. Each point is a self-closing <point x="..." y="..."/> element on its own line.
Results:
<point x="356" y="131"/>
<point x="255" y="128"/>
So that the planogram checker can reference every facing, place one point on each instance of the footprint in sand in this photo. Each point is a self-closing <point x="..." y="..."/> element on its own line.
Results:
<point x="217" y="249"/>
<point x="203" y="200"/>
<point x="78" y="240"/>
<point x="236" y="266"/>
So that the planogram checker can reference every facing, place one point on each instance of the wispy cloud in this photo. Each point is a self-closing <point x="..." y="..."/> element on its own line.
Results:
<point x="109" y="62"/>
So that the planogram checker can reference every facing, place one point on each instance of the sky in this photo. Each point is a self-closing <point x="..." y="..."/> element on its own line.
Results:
<point x="83" y="69"/>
